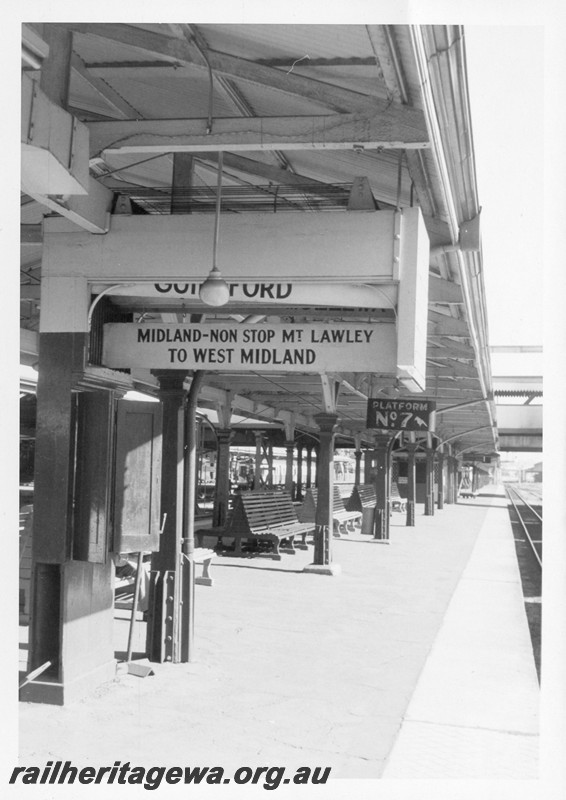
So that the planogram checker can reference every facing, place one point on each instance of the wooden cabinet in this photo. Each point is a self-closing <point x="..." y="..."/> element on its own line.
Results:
<point x="137" y="477"/>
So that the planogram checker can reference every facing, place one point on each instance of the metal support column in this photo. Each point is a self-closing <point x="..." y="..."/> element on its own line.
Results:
<point x="382" y="454"/>
<point x="289" y="459"/>
<point x="440" y="468"/>
<point x="168" y="623"/>
<point x="299" y="488"/>
<point x="322" y="558"/>
<point x="411" y="483"/>
<point x="429" y="483"/>
<point x="222" y="489"/>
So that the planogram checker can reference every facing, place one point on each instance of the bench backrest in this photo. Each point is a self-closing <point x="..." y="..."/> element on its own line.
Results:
<point x="363" y="496"/>
<point x="255" y="511"/>
<point x="307" y="511"/>
<point x="395" y="491"/>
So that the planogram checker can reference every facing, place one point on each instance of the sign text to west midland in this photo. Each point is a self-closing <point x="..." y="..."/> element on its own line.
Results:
<point x="228" y="347"/>
<point x="399" y="415"/>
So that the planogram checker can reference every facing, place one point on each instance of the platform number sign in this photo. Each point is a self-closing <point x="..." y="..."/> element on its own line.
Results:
<point x="399" y="415"/>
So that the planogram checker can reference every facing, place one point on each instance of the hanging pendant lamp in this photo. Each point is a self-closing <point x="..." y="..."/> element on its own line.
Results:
<point x="215" y="291"/>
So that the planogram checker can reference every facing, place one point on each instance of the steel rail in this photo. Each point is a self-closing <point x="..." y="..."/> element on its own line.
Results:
<point x="522" y="500"/>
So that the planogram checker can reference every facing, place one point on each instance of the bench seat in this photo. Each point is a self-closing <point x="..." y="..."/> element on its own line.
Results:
<point x="342" y="518"/>
<point x="262" y="517"/>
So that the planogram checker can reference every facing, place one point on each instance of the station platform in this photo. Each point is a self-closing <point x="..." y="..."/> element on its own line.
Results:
<point x="414" y="662"/>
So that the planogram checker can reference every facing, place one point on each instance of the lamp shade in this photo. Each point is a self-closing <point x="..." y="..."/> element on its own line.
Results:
<point x="214" y="291"/>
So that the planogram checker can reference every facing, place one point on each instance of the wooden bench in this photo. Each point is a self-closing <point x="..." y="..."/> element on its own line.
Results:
<point x="340" y="516"/>
<point x="261" y="517"/>
<point x="363" y="496"/>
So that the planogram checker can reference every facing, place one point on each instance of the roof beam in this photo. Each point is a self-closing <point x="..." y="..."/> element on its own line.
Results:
<point x="443" y="291"/>
<point x="185" y="50"/>
<point x="169" y="47"/>
<point x="393" y="129"/>
<point x="260" y="169"/>
<point x="443" y="325"/>
<point x="91" y="212"/>
<point x="119" y="106"/>
<point x="451" y="349"/>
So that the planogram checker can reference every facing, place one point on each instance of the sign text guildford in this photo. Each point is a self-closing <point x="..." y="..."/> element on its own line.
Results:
<point x="399" y="415"/>
<point x="227" y="347"/>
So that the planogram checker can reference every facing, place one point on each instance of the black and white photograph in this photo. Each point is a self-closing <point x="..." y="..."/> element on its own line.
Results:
<point x="290" y="283"/>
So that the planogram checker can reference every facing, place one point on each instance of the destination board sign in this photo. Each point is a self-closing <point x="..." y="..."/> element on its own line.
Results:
<point x="399" y="415"/>
<point x="268" y="293"/>
<point x="226" y="347"/>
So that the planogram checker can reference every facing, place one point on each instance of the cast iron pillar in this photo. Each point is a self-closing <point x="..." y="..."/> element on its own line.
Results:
<point x="369" y="473"/>
<point x="222" y="490"/>
<point x="170" y="603"/>
<point x="411" y="483"/>
<point x="289" y="459"/>
<point x="308" y="482"/>
<point x="299" y="488"/>
<point x="440" y="466"/>
<point x="448" y="473"/>
<point x="322" y="558"/>
<point x="357" y="473"/>
<point x="429" y="483"/>
<point x="258" y="457"/>
<point x="454" y="473"/>
<point x="382" y="453"/>
<point x="270" y="466"/>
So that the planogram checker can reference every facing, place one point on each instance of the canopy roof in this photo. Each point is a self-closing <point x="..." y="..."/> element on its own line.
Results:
<point x="300" y="113"/>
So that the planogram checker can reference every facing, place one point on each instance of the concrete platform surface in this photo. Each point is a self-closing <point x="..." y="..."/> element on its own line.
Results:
<point x="413" y="661"/>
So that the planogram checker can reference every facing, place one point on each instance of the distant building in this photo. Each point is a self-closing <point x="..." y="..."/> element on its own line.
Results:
<point x="534" y="474"/>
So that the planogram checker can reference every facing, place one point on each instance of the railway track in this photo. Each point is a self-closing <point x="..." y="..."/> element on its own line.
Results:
<point x="525" y="512"/>
<point x="527" y="503"/>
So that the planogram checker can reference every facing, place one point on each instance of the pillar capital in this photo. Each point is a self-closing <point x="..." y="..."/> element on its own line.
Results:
<point x="171" y="381"/>
<point x="224" y="435"/>
<point x="382" y="440"/>
<point x="326" y="422"/>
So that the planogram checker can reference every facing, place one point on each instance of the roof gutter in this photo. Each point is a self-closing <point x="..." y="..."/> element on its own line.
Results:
<point x="429" y="66"/>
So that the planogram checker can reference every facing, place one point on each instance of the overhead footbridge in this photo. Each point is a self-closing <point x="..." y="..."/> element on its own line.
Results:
<point x="518" y="396"/>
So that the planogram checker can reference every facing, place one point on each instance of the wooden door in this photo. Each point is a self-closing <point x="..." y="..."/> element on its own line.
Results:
<point x="138" y="477"/>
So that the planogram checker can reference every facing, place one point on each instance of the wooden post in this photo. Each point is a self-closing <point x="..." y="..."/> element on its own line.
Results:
<point x="72" y="599"/>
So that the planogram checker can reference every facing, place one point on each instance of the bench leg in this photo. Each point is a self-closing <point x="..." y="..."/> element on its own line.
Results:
<point x="276" y="553"/>
<point x="205" y="579"/>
